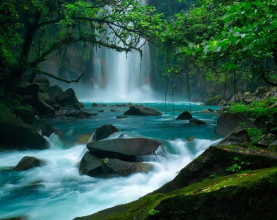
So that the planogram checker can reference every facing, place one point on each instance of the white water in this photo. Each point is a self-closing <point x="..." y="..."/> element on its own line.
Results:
<point x="63" y="194"/>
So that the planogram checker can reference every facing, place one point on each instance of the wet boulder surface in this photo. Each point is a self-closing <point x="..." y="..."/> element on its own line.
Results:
<point x="118" y="157"/>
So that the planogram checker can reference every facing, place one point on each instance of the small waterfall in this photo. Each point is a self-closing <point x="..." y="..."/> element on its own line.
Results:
<point x="119" y="77"/>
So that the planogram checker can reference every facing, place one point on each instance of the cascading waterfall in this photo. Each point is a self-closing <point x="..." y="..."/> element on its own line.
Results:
<point x="121" y="77"/>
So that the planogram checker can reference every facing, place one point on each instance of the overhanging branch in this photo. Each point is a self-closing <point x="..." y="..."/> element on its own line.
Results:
<point x="58" y="78"/>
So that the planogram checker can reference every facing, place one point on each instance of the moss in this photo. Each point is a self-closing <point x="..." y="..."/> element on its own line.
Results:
<point x="250" y="195"/>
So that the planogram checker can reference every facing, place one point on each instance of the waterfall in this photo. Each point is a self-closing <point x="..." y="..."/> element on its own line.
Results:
<point x="121" y="77"/>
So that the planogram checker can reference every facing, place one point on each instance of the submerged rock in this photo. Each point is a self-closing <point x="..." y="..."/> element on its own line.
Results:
<point x="104" y="132"/>
<point x="27" y="163"/>
<point x="186" y="115"/>
<point x="130" y="150"/>
<point x="195" y="121"/>
<point x="141" y="110"/>
<point x="16" y="135"/>
<point x="228" y="122"/>
<point x="69" y="99"/>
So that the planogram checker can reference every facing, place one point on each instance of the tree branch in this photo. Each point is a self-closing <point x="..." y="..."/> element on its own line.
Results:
<point x="58" y="78"/>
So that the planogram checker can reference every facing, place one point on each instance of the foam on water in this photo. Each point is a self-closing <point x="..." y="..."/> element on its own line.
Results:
<point x="57" y="191"/>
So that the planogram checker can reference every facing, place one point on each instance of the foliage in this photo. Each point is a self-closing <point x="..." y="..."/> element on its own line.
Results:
<point x="238" y="166"/>
<point x="233" y="36"/>
<point x="34" y="29"/>
<point x="254" y="134"/>
<point x="255" y="108"/>
<point x="153" y="212"/>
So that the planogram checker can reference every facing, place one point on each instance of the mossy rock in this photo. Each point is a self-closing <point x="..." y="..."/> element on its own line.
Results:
<point x="214" y="100"/>
<point x="16" y="135"/>
<point x="250" y="195"/>
<point x="215" y="161"/>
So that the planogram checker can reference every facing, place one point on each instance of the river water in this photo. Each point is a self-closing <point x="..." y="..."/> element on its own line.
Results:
<point x="57" y="191"/>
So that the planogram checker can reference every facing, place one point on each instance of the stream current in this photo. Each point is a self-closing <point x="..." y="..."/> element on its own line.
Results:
<point x="58" y="191"/>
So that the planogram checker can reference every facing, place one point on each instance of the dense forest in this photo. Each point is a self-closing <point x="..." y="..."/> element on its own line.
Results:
<point x="166" y="106"/>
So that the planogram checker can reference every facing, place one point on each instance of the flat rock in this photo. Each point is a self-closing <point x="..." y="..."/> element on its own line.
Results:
<point x="104" y="132"/>
<point x="186" y="115"/>
<point x="27" y="163"/>
<point x="228" y="122"/>
<point x="141" y="111"/>
<point x="130" y="150"/>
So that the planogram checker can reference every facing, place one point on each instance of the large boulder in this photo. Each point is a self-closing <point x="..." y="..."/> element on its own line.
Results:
<point x="239" y="137"/>
<point x="16" y="135"/>
<point x="90" y="165"/>
<point x="186" y="115"/>
<point x="106" y="167"/>
<point x="215" y="161"/>
<point x="130" y="150"/>
<point x="104" y="132"/>
<point x="123" y="168"/>
<point x="141" y="110"/>
<point x="204" y="188"/>
<point x="228" y="122"/>
<point x="27" y="163"/>
<point x="68" y="99"/>
<point x="54" y="91"/>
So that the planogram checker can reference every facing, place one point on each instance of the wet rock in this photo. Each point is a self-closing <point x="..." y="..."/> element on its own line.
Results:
<point x="104" y="132"/>
<point x="123" y="168"/>
<point x="73" y="113"/>
<point x="94" y="104"/>
<point x="228" y="122"/>
<point x="47" y="130"/>
<point x="130" y="150"/>
<point x="184" y="116"/>
<point x="90" y="165"/>
<point x="106" y="167"/>
<point x="16" y="135"/>
<point x="195" y="121"/>
<point x="141" y="111"/>
<point x="239" y="137"/>
<point x="68" y="99"/>
<point x="100" y="111"/>
<point x="54" y="91"/>
<point x="27" y="163"/>
<point x="207" y="110"/>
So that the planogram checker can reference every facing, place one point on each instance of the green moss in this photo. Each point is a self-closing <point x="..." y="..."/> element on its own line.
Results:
<point x="189" y="200"/>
